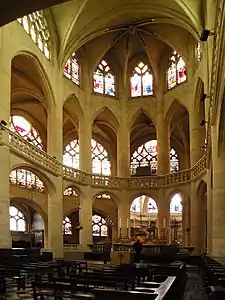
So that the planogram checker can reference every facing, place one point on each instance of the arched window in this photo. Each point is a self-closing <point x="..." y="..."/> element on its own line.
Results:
<point x="70" y="191"/>
<point x="17" y="220"/>
<point x="176" y="204"/>
<point x="177" y="72"/>
<point x="71" y="154"/>
<point x="100" y="158"/>
<point x="152" y="206"/>
<point x="174" y="161"/>
<point x="36" y="26"/>
<point x="38" y="223"/>
<point x="141" y="81"/>
<point x="146" y="156"/>
<point x="72" y="69"/>
<point x="136" y="205"/>
<point x="24" y="128"/>
<point x="99" y="227"/>
<point x="104" y="80"/>
<point x="26" y="179"/>
<point x="67" y="226"/>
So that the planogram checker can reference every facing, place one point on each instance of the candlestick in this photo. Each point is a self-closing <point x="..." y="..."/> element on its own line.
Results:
<point x="120" y="223"/>
<point x="127" y="223"/>
<point x="164" y="223"/>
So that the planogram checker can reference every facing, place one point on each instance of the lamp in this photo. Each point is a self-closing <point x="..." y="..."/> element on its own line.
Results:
<point x="3" y="122"/>
<point x="205" y="34"/>
<point x="203" y="122"/>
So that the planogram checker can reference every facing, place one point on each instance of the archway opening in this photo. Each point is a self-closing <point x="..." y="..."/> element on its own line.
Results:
<point x="176" y="218"/>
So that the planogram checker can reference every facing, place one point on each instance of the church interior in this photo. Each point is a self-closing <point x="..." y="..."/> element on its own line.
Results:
<point x="111" y="131"/>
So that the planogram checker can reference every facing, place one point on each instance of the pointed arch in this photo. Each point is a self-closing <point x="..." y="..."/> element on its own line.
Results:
<point x="26" y="62"/>
<point x="72" y="69"/>
<point x="199" y="93"/>
<point x="106" y="195"/>
<point x="104" y="79"/>
<point x="72" y="108"/>
<point x="175" y="111"/>
<point x="137" y="113"/>
<point x="108" y="116"/>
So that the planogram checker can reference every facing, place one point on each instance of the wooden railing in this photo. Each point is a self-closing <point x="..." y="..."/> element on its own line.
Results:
<point x="19" y="146"/>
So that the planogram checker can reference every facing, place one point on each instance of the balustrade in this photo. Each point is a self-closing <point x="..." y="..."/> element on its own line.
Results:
<point x="29" y="152"/>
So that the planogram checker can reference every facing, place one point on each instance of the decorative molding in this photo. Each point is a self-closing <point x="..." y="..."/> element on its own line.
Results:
<point x="32" y="154"/>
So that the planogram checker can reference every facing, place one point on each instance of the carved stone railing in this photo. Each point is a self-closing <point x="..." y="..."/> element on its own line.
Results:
<point x="23" y="148"/>
<point x="29" y="152"/>
<point x="199" y="168"/>
<point x="71" y="247"/>
<point x="105" y="181"/>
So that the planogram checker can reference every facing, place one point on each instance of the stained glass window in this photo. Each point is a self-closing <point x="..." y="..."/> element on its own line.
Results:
<point x="72" y="69"/>
<point x="146" y="156"/>
<point x="141" y="81"/>
<point x="26" y="179"/>
<point x="198" y="52"/>
<point x="174" y="161"/>
<point x="177" y="72"/>
<point x="176" y="204"/>
<point x="70" y="191"/>
<point x="99" y="226"/>
<point x="104" y="80"/>
<point x="36" y="26"/>
<point x="71" y="154"/>
<point x="136" y="205"/>
<point x="100" y="158"/>
<point x="67" y="226"/>
<point x="24" y="128"/>
<point x="17" y="220"/>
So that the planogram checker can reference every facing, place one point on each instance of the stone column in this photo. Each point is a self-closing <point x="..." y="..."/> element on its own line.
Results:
<point x="86" y="217"/>
<point x="123" y="150"/>
<point x="218" y="203"/>
<point x="124" y="216"/>
<point x="209" y="210"/>
<point x="163" y="145"/>
<point x="55" y="194"/>
<point x="85" y="135"/>
<point x="5" y="92"/>
<point x="163" y="214"/>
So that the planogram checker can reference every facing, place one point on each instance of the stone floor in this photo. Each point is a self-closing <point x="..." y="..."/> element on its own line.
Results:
<point x="195" y="289"/>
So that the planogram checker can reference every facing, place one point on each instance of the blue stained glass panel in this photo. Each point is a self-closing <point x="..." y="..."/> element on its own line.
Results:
<point x="147" y="83"/>
<point x="109" y="84"/>
<point x="98" y="82"/>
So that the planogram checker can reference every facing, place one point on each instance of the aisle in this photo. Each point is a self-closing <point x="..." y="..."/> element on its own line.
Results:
<point x="195" y="289"/>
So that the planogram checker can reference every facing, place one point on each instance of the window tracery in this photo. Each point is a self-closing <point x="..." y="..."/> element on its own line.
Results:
<point x="26" y="179"/>
<point x="36" y="26"/>
<point x="67" y="226"/>
<point x="99" y="226"/>
<point x="24" y="128"/>
<point x="177" y="72"/>
<point x="72" y="69"/>
<point x="70" y="191"/>
<point x="17" y="220"/>
<point x="176" y="204"/>
<point x="146" y="156"/>
<point x="141" y="81"/>
<point x="104" y="80"/>
<point x="100" y="158"/>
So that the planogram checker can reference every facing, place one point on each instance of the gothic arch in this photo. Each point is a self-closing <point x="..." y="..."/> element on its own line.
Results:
<point x="108" y="116"/>
<point x="173" y="110"/>
<point x="49" y="185"/>
<point x="137" y="113"/>
<point x="35" y="66"/>
<point x="113" y="197"/>
<point x="145" y="193"/>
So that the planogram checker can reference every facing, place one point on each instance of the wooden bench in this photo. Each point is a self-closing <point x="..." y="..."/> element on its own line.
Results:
<point x="56" y="290"/>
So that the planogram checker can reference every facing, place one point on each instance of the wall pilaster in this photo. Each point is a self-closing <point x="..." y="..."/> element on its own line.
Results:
<point x="85" y="136"/>
<point x="163" y="214"/>
<point x="124" y="216"/>
<point x="5" y="92"/>
<point x="55" y="196"/>
<point x="86" y="217"/>
<point x="123" y="151"/>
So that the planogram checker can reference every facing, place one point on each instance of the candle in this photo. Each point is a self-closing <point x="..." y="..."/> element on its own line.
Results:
<point x="127" y="223"/>
<point x="119" y="222"/>
<point x="164" y="222"/>
<point x="134" y="222"/>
